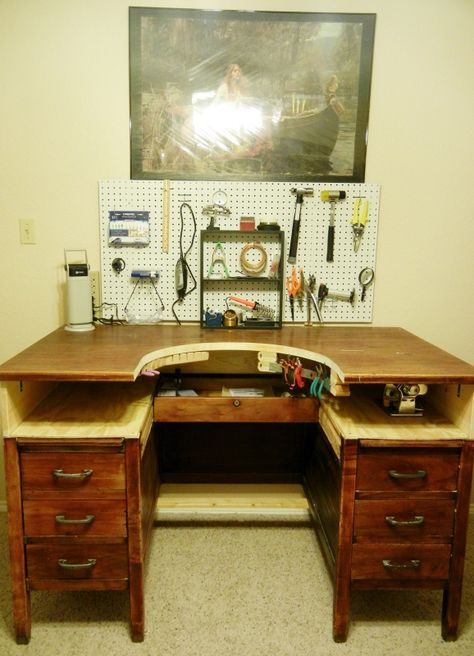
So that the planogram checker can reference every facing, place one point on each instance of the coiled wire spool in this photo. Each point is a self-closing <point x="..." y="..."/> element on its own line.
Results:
<point x="253" y="268"/>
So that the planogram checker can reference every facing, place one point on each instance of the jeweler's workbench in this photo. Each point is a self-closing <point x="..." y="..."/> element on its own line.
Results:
<point x="89" y="438"/>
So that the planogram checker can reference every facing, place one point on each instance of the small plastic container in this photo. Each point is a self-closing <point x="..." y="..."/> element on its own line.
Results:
<point x="247" y="223"/>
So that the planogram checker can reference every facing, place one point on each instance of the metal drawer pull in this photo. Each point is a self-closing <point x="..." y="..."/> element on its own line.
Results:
<point x="61" y="519"/>
<point x="410" y="564"/>
<point x="62" y="562"/>
<point x="416" y="521"/>
<point x="60" y="473"/>
<point x="393" y="473"/>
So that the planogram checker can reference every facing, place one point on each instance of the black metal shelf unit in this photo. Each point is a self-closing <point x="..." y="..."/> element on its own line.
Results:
<point x="246" y="265"/>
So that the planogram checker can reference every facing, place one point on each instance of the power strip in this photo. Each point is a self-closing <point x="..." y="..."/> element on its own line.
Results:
<point x="96" y="292"/>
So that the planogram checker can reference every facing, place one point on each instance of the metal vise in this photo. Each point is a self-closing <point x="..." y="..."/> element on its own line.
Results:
<point x="401" y="399"/>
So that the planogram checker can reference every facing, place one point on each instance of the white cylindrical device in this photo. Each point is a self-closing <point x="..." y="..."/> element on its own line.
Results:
<point x="78" y="298"/>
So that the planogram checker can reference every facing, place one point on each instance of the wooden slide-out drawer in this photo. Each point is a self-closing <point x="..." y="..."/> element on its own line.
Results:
<point x="404" y="520"/>
<point x="43" y="561"/>
<point x="76" y="517"/>
<point x="199" y="409"/>
<point x="411" y="562"/>
<point x="212" y="403"/>
<point x="401" y="470"/>
<point x="107" y="477"/>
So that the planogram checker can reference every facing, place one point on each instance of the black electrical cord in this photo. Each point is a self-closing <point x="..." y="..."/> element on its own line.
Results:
<point x="182" y="266"/>
<point x="112" y="320"/>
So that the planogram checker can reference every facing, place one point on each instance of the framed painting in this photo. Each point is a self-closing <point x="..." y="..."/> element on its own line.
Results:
<point x="234" y="95"/>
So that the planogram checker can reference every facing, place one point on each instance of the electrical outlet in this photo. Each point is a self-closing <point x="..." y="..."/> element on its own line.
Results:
<point x="96" y="291"/>
<point x="27" y="231"/>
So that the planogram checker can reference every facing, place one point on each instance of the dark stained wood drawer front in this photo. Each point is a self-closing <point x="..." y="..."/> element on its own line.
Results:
<point x="77" y="561"/>
<point x="402" y="470"/>
<point x="75" y="475"/>
<point x="235" y="409"/>
<point x="77" y="517"/>
<point x="395" y="562"/>
<point x="404" y="520"/>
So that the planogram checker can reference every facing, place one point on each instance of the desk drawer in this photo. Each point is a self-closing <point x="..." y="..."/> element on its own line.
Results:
<point x="235" y="409"/>
<point x="405" y="470"/>
<point x="400" y="520"/>
<point x="400" y="563"/>
<point x="77" y="517"/>
<point x="80" y="474"/>
<point x="77" y="561"/>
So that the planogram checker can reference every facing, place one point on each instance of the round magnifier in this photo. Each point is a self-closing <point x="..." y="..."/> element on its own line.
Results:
<point x="219" y="197"/>
<point x="366" y="276"/>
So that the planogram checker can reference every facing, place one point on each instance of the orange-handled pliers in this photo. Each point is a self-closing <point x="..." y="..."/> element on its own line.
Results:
<point x="293" y="286"/>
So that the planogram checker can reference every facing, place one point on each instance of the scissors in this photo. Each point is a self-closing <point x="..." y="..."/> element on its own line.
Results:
<point x="293" y="285"/>
<point x="359" y="219"/>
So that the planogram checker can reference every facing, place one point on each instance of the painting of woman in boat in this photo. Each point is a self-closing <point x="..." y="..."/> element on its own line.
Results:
<point x="249" y="95"/>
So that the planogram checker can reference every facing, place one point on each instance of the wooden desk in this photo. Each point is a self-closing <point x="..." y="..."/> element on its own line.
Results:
<point x="368" y="477"/>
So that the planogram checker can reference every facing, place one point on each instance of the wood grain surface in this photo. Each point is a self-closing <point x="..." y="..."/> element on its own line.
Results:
<point x="98" y="410"/>
<point x="362" y="417"/>
<point x="357" y="354"/>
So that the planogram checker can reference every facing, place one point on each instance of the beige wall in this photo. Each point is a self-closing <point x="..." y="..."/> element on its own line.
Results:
<point x="64" y="126"/>
<point x="64" y="118"/>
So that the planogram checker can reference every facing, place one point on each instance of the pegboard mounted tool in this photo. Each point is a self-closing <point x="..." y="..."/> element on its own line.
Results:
<point x="332" y="196"/>
<point x="217" y="209"/>
<point x="359" y="219"/>
<point x="300" y="193"/>
<point x="310" y="285"/>
<point x="324" y="292"/>
<point x="182" y="268"/>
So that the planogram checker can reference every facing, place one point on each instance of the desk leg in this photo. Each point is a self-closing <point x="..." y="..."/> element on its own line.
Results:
<point x="452" y="594"/>
<point x="21" y="595"/>
<point x="135" y="541"/>
<point x="342" y="586"/>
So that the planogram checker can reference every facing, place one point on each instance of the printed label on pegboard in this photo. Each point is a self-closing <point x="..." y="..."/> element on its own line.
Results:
<point x="130" y="228"/>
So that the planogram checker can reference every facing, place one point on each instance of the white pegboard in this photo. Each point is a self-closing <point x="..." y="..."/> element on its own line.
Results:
<point x="266" y="201"/>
